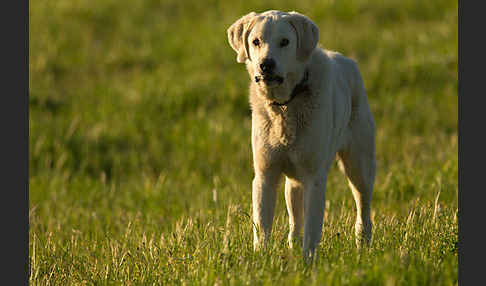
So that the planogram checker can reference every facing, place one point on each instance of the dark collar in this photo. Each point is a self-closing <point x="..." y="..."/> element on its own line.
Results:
<point x="300" y="87"/>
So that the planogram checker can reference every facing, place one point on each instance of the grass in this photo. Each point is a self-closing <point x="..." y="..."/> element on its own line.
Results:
<point x="140" y="160"/>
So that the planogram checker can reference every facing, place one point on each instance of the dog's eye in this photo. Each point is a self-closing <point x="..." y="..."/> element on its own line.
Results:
<point x="256" y="42"/>
<point x="284" y="42"/>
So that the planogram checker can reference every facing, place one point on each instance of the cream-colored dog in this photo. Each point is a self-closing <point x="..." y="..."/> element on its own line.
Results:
<point x="308" y="105"/>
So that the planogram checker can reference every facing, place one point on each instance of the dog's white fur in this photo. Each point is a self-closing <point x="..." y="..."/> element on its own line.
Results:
<point x="302" y="138"/>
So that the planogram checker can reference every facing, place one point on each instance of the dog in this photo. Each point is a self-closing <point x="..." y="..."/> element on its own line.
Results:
<point x="309" y="106"/>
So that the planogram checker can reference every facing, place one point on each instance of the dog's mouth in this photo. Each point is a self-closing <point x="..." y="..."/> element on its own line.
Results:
<point x="269" y="79"/>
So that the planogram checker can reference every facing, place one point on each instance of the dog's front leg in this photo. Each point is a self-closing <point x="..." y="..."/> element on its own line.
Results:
<point x="314" y="203"/>
<point x="294" y="199"/>
<point x="263" y="197"/>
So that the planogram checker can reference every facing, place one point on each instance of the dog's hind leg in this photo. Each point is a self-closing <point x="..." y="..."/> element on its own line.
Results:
<point x="295" y="207"/>
<point x="358" y="162"/>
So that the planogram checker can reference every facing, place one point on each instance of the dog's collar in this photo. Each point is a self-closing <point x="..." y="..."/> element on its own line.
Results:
<point x="301" y="86"/>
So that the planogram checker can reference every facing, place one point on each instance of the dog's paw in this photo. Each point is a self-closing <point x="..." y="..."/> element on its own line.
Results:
<point x="294" y="241"/>
<point x="362" y="234"/>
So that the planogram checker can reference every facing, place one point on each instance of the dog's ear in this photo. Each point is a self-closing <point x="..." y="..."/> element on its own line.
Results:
<point x="307" y="34"/>
<point x="237" y="36"/>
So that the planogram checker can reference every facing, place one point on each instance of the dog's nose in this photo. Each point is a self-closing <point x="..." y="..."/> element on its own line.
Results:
<point x="267" y="65"/>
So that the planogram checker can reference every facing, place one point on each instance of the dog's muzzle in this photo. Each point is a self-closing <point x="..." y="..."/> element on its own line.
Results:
<point x="269" y="79"/>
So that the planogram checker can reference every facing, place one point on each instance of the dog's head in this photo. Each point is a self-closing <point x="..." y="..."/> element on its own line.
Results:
<point x="275" y="47"/>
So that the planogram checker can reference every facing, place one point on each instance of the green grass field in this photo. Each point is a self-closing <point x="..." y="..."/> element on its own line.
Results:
<point x="140" y="158"/>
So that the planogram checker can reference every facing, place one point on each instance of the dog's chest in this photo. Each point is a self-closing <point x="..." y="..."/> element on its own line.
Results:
<point x="285" y="124"/>
<point x="283" y="127"/>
